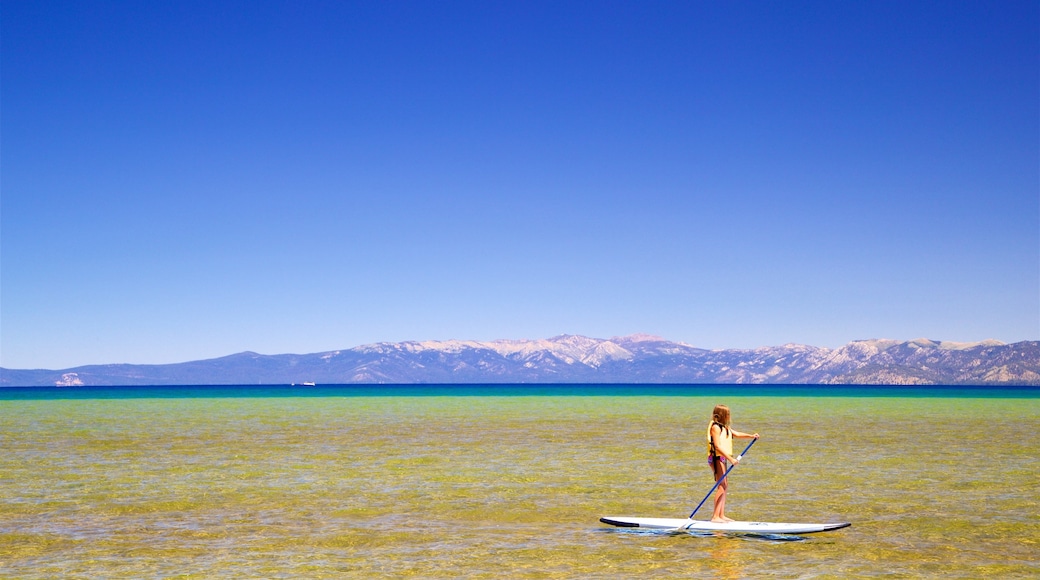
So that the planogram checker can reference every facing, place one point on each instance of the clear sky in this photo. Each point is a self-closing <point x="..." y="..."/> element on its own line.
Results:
<point x="186" y="180"/>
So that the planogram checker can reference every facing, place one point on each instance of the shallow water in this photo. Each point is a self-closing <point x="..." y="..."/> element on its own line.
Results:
<point x="487" y="486"/>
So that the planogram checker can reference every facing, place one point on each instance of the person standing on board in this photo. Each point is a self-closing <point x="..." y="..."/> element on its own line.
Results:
<point x="720" y="450"/>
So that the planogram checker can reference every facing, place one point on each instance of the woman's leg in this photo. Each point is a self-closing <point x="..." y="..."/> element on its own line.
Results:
<point x="719" y="515"/>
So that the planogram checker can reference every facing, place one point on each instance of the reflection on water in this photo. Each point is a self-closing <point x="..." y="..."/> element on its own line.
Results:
<point x="489" y="487"/>
<point x="725" y="560"/>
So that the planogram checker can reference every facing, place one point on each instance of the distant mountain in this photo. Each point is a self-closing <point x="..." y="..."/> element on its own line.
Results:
<point x="579" y="359"/>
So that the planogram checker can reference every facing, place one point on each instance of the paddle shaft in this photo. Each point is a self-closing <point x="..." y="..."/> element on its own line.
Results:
<point x="721" y="479"/>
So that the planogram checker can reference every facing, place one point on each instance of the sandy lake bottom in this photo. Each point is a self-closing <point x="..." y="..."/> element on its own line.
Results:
<point x="490" y="487"/>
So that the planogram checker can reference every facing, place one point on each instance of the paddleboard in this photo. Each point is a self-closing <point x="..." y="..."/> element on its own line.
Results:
<point x="708" y="526"/>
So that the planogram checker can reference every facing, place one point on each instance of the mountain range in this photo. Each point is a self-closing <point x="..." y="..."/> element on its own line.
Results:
<point x="580" y="359"/>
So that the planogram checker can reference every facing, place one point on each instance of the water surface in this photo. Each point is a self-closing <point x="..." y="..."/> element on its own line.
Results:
<point x="211" y="483"/>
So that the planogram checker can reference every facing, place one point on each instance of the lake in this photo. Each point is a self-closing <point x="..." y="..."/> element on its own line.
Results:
<point x="508" y="480"/>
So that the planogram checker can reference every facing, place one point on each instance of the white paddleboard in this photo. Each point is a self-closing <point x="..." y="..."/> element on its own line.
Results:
<point x="708" y="526"/>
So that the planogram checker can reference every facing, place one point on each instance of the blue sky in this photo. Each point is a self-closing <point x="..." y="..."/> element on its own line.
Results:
<point x="186" y="180"/>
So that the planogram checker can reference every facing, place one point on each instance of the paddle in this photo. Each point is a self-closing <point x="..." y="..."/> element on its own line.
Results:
<point x="721" y="479"/>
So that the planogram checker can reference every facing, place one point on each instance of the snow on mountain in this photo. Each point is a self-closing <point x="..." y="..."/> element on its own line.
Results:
<point x="580" y="359"/>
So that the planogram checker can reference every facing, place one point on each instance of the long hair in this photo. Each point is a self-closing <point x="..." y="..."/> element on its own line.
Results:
<point x="720" y="415"/>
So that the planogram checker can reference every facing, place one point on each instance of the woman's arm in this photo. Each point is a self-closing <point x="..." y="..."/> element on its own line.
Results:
<point x="740" y="435"/>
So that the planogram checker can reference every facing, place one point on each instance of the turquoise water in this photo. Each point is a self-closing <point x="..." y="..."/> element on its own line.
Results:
<point x="510" y="481"/>
<point x="479" y="390"/>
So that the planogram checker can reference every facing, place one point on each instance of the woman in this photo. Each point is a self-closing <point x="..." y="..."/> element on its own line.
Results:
<point x="720" y="451"/>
